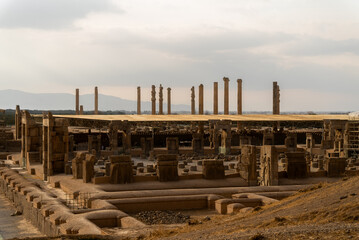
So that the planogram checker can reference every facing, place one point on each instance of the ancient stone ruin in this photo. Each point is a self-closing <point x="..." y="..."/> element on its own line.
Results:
<point x="107" y="169"/>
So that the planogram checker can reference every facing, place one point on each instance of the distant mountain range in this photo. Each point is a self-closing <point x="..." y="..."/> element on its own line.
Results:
<point x="65" y="101"/>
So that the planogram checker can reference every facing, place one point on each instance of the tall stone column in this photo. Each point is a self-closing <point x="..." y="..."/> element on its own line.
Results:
<point x="138" y="100"/>
<point x="160" y="101"/>
<point x="169" y="101"/>
<point x="77" y="101"/>
<point x="276" y="98"/>
<point x="153" y="99"/>
<point x="193" y="107"/>
<point x="239" y="97"/>
<point x="215" y="98"/>
<point x="96" y="101"/>
<point x="226" y="95"/>
<point x="17" y="123"/>
<point x="200" y="99"/>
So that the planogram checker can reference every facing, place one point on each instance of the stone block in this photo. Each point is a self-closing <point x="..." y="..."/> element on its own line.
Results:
<point x="335" y="167"/>
<point x="213" y="169"/>
<point x="296" y="165"/>
<point x="167" y="167"/>
<point x="121" y="169"/>
<point x="234" y="208"/>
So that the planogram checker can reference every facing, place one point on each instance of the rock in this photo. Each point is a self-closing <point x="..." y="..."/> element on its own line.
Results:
<point x="343" y="197"/>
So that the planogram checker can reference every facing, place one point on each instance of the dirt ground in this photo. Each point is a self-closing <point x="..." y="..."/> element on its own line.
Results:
<point x="14" y="226"/>
<point x="325" y="211"/>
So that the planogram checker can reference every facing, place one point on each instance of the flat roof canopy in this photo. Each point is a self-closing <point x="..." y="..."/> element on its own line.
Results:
<point x="206" y="118"/>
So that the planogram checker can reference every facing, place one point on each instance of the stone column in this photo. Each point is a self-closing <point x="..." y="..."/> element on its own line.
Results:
<point x="77" y="101"/>
<point x="215" y="98"/>
<point x="138" y="100"/>
<point x="17" y="123"/>
<point x="239" y="97"/>
<point x="160" y="101"/>
<point x="193" y="107"/>
<point x="153" y="99"/>
<point x="81" y="110"/>
<point x="96" y="101"/>
<point x="200" y="99"/>
<point x="226" y="95"/>
<point x="169" y="101"/>
<point x="276" y="98"/>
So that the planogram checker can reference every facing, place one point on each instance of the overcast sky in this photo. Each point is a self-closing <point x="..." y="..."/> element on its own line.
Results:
<point x="310" y="47"/>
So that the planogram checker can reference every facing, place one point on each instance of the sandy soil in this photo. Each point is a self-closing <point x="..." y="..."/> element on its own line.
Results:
<point x="325" y="211"/>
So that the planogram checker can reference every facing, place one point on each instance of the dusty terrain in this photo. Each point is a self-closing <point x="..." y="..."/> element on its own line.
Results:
<point x="325" y="211"/>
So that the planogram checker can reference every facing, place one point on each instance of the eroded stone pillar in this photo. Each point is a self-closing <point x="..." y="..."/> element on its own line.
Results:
<point x="268" y="174"/>
<point x="81" y="110"/>
<point x="247" y="164"/>
<point x="226" y="95"/>
<point x="77" y="101"/>
<point x="169" y="101"/>
<point x="160" y="101"/>
<point x="215" y="98"/>
<point x="239" y="97"/>
<point x="121" y="169"/>
<point x="96" y="101"/>
<point x="276" y="98"/>
<point x="193" y="107"/>
<point x="138" y="100"/>
<point x="153" y="99"/>
<point x="200" y="99"/>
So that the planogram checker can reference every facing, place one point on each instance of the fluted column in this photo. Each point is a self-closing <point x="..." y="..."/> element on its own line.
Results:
<point x="276" y="98"/>
<point x="153" y="99"/>
<point x="215" y="98"/>
<point x="193" y="107"/>
<point x="200" y="99"/>
<point x="226" y="95"/>
<point x="96" y="101"/>
<point x="169" y="101"/>
<point x="77" y="101"/>
<point x="239" y="97"/>
<point x="160" y="101"/>
<point x="138" y="100"/>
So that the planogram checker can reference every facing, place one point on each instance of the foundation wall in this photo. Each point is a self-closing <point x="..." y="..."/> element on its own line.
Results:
<point x="28" y="211"/>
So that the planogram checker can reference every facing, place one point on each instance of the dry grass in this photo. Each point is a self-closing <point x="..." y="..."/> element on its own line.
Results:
<point x="320" y="204"/>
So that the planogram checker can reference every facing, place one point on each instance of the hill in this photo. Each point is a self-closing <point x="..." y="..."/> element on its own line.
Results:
<point x="65" y="101"/>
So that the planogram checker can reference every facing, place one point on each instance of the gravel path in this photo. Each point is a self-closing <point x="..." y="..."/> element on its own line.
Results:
<point x="161" y="217"/>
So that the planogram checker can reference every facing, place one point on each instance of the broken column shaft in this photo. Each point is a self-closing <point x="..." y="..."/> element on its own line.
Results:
<point x="193" y="107"/>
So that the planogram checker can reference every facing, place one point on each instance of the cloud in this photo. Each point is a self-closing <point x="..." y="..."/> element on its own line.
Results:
<point x="310" y="46"/>
<point x="48" y="14"/>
